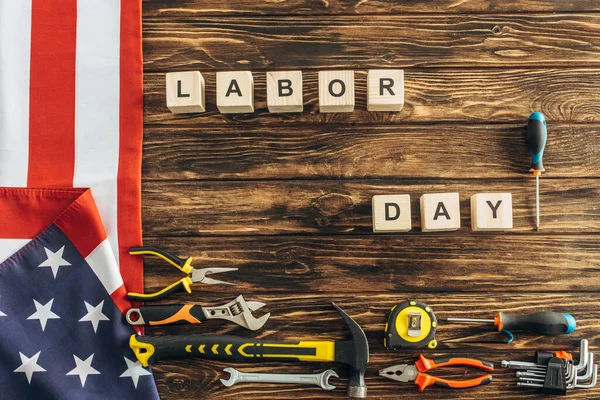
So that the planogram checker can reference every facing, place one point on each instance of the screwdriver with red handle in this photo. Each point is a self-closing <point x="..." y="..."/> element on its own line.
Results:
<point x="543" y="323"/>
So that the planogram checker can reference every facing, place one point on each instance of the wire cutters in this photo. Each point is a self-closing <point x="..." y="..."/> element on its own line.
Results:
<point x="415" y="372"/>
<point x="193" y="274"/>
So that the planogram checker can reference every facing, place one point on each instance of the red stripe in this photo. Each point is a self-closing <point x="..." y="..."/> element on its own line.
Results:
<point x="81" y="223"/>
<point x="130" y="146"/>
<point x="52" y="93"/>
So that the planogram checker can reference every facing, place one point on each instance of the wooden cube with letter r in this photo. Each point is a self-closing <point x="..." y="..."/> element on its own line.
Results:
<point x="385" y="90"/>
<point x="391" y="213"/>
<point x="491" y="212"/>
<point x="440" y="212"/>
<point x="284" y="91"/>
<point x="235" y="92"/>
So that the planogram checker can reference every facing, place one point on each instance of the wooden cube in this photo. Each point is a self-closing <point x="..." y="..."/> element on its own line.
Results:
<point x="440" y="212"/>
<point x="336" y="91"/>
<point x="284" y="91"/>
<point x="491" y="212"/>
<point x="391" y="213"/>
<point x="185" y="92"/>
<point x="235" y="92"/>
<point x="385" y="90"/>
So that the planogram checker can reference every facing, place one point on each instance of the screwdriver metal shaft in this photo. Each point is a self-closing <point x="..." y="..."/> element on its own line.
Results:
<point x="537" y="203"/>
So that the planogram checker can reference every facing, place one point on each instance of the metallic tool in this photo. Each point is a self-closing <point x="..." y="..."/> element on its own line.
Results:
<point x="354" y="353"/>
<point x="304" y="379"/>
<point x="193" y="274"/>
<point x="411" y="325"/>
<point x="543" y="323"/>
<point x="536" y="142"/>
<point x="238" y="311"/>
<point x="416" y="372"/>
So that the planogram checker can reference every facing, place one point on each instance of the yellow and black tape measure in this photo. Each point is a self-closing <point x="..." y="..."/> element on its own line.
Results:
<point x="411" y="325"/>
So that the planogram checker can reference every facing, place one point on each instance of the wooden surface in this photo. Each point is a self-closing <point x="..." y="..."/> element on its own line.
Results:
<point x="286" y="198"/>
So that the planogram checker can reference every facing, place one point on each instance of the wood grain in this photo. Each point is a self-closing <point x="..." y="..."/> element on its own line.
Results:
<point x="344" y="207"/>
<point x="351" y="152"/>
<point x="445" y="95"/>
<point x="291" y="266"/>
<point x="375" y="42"/>
<point x="289" y="322"/>
<point x="198" y="8"/>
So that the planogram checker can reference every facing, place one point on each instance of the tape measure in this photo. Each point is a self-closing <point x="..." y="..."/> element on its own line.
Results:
<point x="410" y="325"/>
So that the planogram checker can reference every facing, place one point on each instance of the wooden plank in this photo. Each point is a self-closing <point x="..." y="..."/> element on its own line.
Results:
<point x="311" y="317"/>
<point x="375" y="42"/>
<point x="325" y="151"/>
<point x="291" y="266"/>
<point x="185" y="208"/>
<point x="444" y="95"/>
<point x="198" y="8"/>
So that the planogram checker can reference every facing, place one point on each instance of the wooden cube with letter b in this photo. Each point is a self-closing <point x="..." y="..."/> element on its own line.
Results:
<point x="185" y="92"/>
<point x="385" y="90"/>
<point x="336" y="91"/>
<point x="440" y="212"/>
<point x="284" y="91"/>
<point x="491" y="212"/>
<point x="235" y="92"/>
<point x="391" y="213"/>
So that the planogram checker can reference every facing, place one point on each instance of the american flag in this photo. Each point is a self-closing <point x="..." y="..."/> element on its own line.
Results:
<point x="71" y="108"/>
<point x="62" y="298"/>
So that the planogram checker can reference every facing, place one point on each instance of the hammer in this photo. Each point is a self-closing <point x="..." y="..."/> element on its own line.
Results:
<point x="354" y="353"/>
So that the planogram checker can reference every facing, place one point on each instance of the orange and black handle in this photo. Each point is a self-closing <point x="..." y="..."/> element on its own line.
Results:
<point x="543" y="323"/>
<point x="424" y="364"/>
<point x="167" y="314"/>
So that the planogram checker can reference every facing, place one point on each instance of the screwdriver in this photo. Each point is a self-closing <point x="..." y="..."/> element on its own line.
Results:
<point x="543" y="323"/>
<point x="536" y="142"/>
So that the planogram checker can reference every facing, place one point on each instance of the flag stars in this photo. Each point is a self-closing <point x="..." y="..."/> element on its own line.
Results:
<point x="54" y="260"/>
<point x="83" y="369"/>
<point x="29" y="365"/>
<point x="134" y="371"/>
<point x="94" y="315"/>
<point x="43" y="313"/>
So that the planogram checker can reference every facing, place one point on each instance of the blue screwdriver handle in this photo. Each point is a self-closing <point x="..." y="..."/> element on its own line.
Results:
<point x="536" y="141"/>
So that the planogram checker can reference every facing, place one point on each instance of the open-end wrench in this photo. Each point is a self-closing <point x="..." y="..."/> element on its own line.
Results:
<point x="307" y="379"/>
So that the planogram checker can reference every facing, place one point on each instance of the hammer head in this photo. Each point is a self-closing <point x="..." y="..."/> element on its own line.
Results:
<point x="355" y="354"/>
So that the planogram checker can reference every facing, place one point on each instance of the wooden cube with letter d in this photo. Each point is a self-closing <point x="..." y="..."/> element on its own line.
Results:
<point x="391" y="213"/>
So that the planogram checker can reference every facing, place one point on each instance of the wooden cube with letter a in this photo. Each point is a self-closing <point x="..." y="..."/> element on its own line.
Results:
<point x="385" y="90"/>
<point x="235" y="92"/>
<point x="391" y="213"/>
<point x="336" y="91"/>
<point x="185" y="92"/>
<point x="491" y="212"/>
<point x="440" y="212"/>
<point x="284" y="91"/>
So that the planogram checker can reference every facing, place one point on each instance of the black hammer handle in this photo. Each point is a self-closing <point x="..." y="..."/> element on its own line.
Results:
<point x="228" y="348"/>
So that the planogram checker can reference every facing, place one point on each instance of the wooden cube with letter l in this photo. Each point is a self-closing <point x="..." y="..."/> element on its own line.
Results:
<point x="336" y="91"/>
<point x="440" y="212"/>
<point x="491" y="212"/>
<point x="385" y="90"/>
<point x="284" y="91"/>
<point x="185" y="92"/>
<point x="235" y="92"/>
<point x="391" y="213"/>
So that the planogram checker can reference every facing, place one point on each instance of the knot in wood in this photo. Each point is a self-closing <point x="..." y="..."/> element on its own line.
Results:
<point x="496" y="30"/>
<point x="332" y="204"/>
<point x="296" y="268"/>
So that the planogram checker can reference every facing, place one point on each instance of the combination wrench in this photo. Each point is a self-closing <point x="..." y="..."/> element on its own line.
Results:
<point x="307" y="379"/>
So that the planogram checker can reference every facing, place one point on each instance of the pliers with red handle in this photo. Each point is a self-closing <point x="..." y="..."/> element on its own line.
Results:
<point x="416" y="372"/>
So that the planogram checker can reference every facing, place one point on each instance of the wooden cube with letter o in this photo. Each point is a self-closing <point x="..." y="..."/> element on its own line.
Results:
<point x="391" y="213"/>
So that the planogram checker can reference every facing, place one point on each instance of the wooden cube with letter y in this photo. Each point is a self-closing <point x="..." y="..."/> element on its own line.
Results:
<point x="440" y="212"/>
<point x="185" y="92"/>
<point x="284" y="91"/>
<point x="491" y="212"/>
<point x="336" y="91"/>
<point x="235" y="92"/>
<point x="391" y="213"/>
<point x="385" y="90"/>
